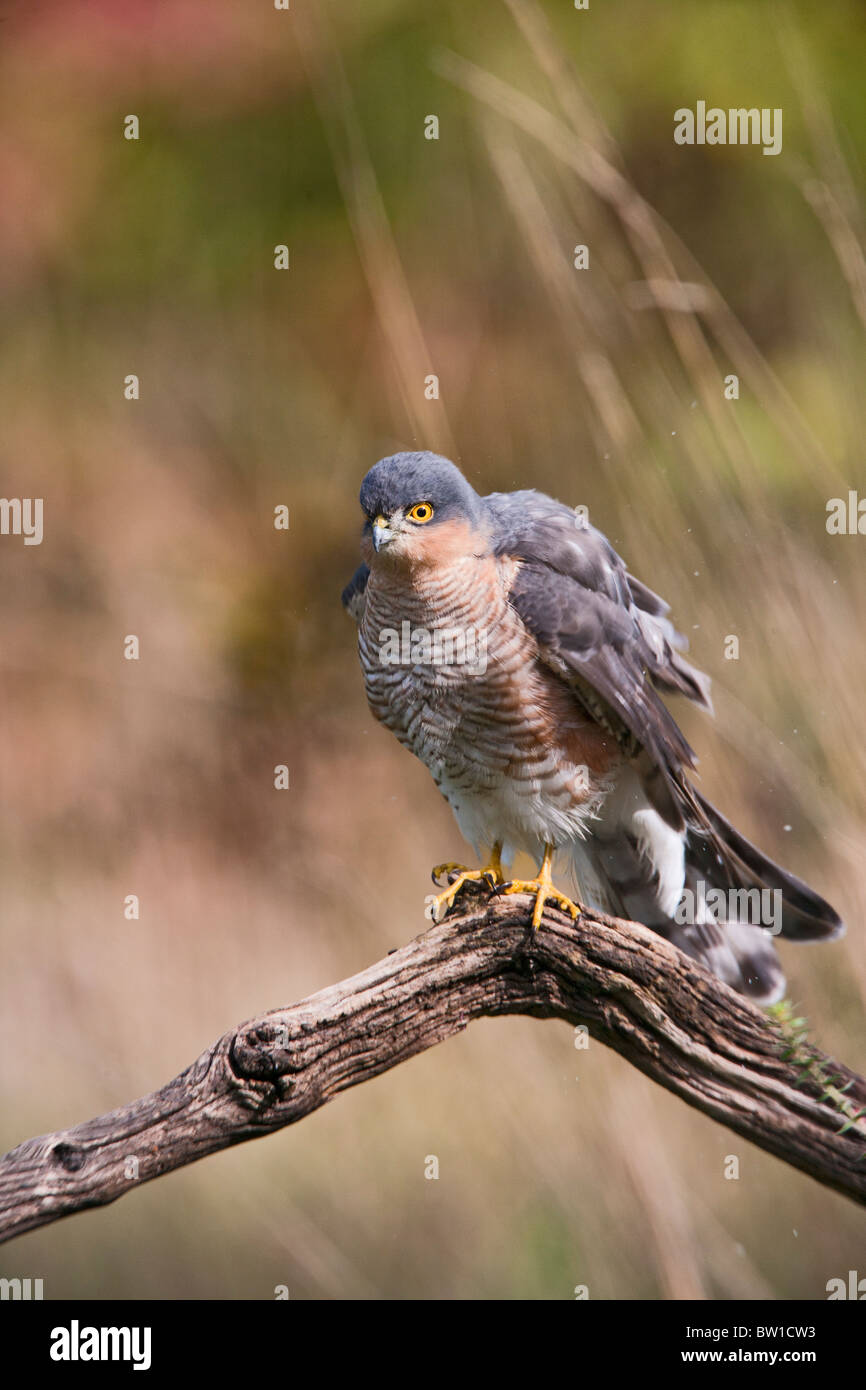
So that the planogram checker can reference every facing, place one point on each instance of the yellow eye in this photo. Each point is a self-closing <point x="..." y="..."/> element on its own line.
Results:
<point x="421" y="512"/>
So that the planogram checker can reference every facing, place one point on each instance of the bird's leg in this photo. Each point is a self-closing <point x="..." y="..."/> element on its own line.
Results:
<point x="544" y="891"/>
<point x="491" y="874"/>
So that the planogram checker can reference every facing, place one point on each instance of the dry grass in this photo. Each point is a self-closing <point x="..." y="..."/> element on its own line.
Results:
<point x="558" y="1167"/>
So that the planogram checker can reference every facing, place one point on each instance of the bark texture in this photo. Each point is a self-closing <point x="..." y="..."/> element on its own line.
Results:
<point x="634" y="992"/>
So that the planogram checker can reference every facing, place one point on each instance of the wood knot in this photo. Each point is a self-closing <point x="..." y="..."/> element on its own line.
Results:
<point x="263" y="1053"/>
<point x="70" y="1158"/>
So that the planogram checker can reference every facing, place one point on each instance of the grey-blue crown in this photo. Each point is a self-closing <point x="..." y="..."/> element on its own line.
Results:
<point x="404" y="479"/>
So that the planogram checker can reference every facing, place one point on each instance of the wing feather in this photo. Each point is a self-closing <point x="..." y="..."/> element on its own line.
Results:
<point x="354" y="596"/>
<point x="604" y="633"/>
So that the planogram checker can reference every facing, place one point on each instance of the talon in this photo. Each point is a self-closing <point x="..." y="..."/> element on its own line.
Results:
<point x="439" y="869"/>
<point x="544" y="891"/>
<point x="490" y="874"/>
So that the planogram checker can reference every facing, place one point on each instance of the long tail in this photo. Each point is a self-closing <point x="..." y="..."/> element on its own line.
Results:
<point x="709" y="891"/>
<point x="727" y="859"/>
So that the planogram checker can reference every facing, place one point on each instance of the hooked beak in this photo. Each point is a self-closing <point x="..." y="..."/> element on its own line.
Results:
<point x="382" y="532"/>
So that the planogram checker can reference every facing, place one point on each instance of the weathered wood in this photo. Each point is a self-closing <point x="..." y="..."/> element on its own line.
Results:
<point x="634" y="992"/>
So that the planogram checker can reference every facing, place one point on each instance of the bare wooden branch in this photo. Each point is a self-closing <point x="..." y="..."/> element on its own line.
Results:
<point x="634" y="992"/>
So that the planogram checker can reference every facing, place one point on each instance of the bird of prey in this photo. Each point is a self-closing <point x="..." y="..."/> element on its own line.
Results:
<point x="505" y="643"/>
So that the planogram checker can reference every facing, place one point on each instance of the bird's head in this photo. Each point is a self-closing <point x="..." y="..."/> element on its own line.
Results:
<point x="419" y="510"/>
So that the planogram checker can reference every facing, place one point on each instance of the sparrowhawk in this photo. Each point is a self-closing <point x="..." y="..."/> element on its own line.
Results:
<point x="505" y="643"/>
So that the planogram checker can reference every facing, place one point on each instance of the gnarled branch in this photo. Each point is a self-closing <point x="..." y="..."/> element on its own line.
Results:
<point x="634" y="991"/>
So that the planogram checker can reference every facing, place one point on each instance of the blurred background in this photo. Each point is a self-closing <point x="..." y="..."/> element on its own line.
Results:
<point x="260" y="387"/>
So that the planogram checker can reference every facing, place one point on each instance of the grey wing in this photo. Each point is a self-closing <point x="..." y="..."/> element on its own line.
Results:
<point x="605" y="634"/>
<point x="353" y="596"/>
<point x="537" y="528"/>
<point x="608" y="637"/>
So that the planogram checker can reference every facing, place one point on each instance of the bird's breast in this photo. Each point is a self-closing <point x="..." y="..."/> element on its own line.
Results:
<point x="453" y="672"/>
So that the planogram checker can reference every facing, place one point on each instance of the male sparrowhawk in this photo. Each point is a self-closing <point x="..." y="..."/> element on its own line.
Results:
<point x="504" y="642"/>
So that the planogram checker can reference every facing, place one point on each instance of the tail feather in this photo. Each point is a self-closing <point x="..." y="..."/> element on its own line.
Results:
<point x="725" y="916"/>
<point x="741" y="955"/>
<point x="726" y="859"/>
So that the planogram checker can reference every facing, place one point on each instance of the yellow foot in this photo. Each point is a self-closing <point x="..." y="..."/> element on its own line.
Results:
<point x="544" y="891"/>
<point x="491" y="875"/>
